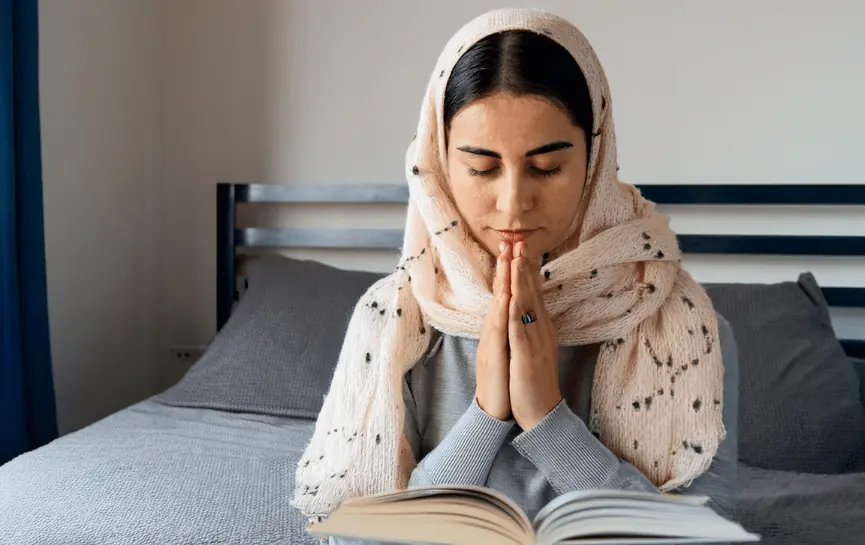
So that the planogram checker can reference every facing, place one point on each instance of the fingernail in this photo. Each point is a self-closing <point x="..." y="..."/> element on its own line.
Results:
<point x="502" y="247"/>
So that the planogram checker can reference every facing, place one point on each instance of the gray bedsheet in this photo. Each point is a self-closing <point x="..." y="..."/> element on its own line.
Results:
<point x="154" y="474"/>
<point x="788" y="508"/>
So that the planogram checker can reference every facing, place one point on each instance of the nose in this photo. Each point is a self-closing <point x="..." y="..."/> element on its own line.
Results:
<point x="514" y="196"/>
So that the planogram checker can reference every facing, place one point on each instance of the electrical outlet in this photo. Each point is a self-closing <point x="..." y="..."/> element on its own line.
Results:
<point x="185" y="354"/>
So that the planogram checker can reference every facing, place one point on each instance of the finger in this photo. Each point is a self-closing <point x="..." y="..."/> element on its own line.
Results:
<point x="495" y="323"/>
<point x="502" y="290"/>
<point x="531" y="297"/>
<point x="525" y="339"/>
<point x="534" y="291"/>
<point x="523" y="284"/>
<point x="523" y="300"/>
<point x="517" y="336"/>
<point x="522" y="249"/>
<point x="501" y="282"/>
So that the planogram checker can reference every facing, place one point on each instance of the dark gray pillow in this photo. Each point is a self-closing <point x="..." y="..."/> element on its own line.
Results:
<point x="277" y="353"/>
<point x="799" y="407"/>
<point x="859" y="365"/>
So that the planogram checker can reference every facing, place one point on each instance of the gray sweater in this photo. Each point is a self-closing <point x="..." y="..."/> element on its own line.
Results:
<point x="458" y="443"/>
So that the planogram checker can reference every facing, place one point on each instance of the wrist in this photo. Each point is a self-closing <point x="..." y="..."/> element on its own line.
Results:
<point x="500" y="415"/>
<point x="543" y="409"/>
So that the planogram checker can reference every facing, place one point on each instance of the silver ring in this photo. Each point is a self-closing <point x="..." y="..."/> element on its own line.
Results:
<point x="528" y="318"/>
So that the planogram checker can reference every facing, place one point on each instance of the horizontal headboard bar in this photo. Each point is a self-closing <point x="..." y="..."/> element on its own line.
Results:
<point x="854" y="349"/>
<point x="845" y="297"/>
<point x="755" y="194"/>
<point x="382" y="239"/>
<point x="772" y="245"/>
<point x="659" y="193"/>
<point x="691" y="244"/>
<point x="322" y="193"/>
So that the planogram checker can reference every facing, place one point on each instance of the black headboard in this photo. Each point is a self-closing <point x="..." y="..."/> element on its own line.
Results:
<point x="230" y="237"/>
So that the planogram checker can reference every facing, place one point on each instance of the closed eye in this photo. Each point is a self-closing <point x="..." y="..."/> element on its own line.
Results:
<point x="545" y="172"/>
<point x="482" y="173"/>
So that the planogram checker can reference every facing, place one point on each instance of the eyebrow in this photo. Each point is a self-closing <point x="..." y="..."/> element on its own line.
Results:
<point x="546" y="148"/>
<point x="549" y="148"/>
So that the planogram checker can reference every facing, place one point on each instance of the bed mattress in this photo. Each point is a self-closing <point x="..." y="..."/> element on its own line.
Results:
<point x="789" y="508"/>
<point x="154" y="473"/>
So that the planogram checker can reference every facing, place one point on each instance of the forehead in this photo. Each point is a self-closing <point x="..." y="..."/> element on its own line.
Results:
<point x="505" y="122"/>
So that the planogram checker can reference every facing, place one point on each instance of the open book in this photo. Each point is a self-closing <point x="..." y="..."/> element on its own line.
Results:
<point x="461" y="515"/>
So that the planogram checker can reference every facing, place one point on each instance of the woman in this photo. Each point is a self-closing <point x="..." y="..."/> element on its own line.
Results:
<point x="539" y="335"/>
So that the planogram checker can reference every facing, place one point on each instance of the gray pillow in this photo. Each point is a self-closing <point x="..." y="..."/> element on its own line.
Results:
<point x="277" y="353"/>
<point x="799" y="406"/>
<point x="859" y="365"/>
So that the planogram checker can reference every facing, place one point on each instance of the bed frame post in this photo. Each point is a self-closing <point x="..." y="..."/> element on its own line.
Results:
<point x="225" y="272"/>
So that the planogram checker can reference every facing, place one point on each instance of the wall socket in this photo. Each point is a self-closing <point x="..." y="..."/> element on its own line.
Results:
<point x="185" y="354"/>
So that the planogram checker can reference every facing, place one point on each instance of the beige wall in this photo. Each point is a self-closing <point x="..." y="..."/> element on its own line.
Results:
<point x="101" y="132"/>
<point x="328" y="92"/>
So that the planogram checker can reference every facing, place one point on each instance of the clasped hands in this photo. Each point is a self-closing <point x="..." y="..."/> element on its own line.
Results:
<point x="517" y="358"/>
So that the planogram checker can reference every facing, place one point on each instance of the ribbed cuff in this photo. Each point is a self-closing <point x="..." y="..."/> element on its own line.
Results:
<point x="467" y="452"/>
<point x="566" y="452"/>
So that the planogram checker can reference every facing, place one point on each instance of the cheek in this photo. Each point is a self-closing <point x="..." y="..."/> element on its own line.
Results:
<point x="561" y="203"/>
<point x="472" y="197"/>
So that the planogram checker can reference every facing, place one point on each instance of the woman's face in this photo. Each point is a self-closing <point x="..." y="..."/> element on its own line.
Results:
<point x="516" y="168"/>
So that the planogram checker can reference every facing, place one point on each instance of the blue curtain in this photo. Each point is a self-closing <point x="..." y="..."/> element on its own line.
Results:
<point x="28" y="417"/>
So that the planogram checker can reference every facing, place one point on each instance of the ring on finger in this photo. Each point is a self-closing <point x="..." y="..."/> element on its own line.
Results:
<point x="528" y="318"/>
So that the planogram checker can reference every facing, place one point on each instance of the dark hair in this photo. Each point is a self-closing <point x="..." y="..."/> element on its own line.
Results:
<point x="523" y="63"/>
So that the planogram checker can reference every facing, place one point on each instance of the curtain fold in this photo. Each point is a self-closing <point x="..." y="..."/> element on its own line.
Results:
<point x="28" y="416"/>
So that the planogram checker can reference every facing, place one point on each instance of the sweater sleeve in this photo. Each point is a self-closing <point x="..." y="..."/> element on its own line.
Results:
<point x="466" y="453"/>
<point x="571" y="458"/>
<point x="464" y="457"/>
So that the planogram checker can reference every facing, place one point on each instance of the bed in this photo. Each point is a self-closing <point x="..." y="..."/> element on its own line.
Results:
<point x="211" y="459"/>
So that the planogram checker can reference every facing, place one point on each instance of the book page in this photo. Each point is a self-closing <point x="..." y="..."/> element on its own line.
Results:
<point x="417" y="528"/>
<point x="585" y="499"/>
<point x="632" y="541"/>
<point x="633" y="521"/>
<point x="572" y="500"/>
<point x="601" y="506"/>
<point x="480" y="495"/>
<point x="431" y="515"/>
<point x="610" y="528"/>
<point x="485" y="494"/>
<point x="625" y="516"/>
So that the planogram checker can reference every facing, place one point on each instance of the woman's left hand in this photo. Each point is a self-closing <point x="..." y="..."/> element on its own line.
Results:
<point x="534" y="347"/>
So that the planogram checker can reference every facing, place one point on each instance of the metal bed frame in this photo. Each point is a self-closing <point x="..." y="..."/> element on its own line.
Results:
<point x="230" y="238"/>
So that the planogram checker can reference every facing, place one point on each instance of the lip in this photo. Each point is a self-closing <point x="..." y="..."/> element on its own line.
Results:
<point x="514" y="236"/>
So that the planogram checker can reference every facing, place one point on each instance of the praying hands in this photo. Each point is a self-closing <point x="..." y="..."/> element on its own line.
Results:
<point x="517" y="357"/>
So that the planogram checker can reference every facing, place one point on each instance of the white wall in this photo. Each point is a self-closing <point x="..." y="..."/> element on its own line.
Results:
<point x="102" y="175"/>
<point x="328" y="92"/>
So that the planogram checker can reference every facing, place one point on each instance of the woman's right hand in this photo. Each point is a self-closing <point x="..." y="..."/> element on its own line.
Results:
<point x="492" y="364"/>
